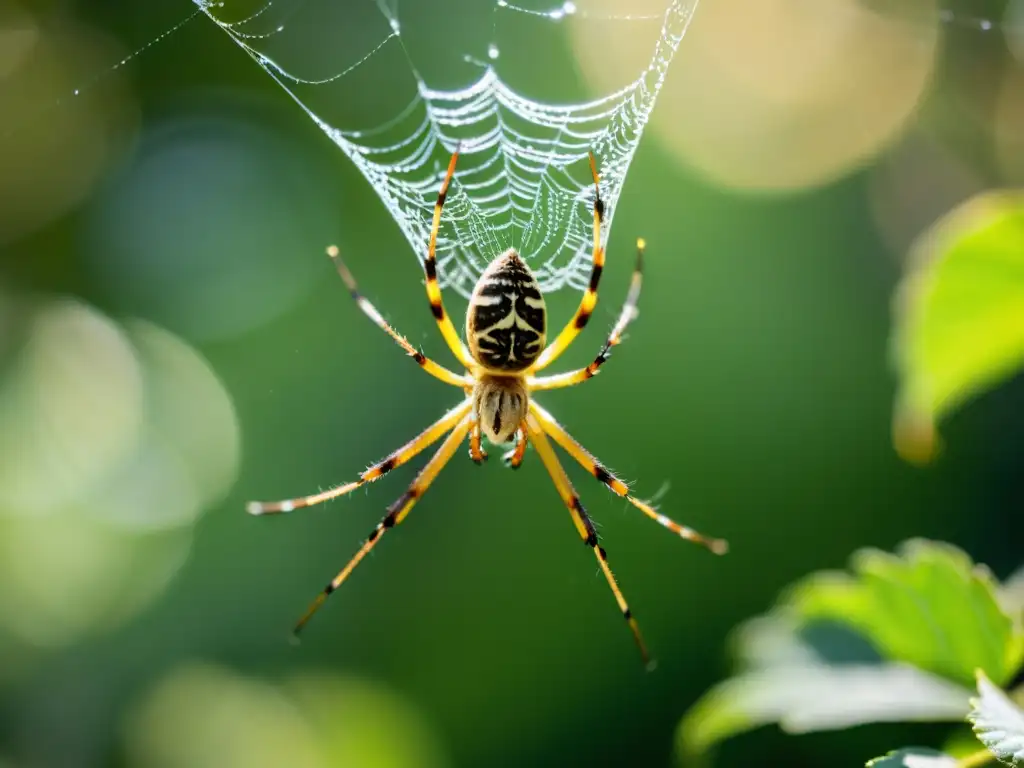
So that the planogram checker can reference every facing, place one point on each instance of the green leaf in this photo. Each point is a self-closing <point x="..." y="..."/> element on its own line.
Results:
<point x="805" y="698"/>
<point x="927" y="605"/>
<point x="962" y="744"/>
<point x="959" y="316"/>
<point x="998" y="722"/>
<point x="914" y="757"/>
<point x="898" y="639"/>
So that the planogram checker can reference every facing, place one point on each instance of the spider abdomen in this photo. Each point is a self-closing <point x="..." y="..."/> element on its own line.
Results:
<point x="506" y="323"/>
<point x="500" y="404"/>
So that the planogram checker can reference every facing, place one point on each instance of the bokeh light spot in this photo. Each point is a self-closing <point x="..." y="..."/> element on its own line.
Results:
<point x="64" y="576"/>
<point x="203" y="716"/>
<point x="213" y="229"/>
<point x="113" y="444"/>
<point x="54" y="146"/>
<point x="71" y="408"/>
<point x="363" y="723"/>
<point x="913" y="185"/>
<point x="784" y="94"/>
<point x="1013" y="28"/>
<point x="1008" y="125"/>
<point x="19" y="33"/>
<point x="189" y="410"/>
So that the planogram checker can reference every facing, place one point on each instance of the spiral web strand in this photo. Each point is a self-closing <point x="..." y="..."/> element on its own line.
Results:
<point x="523" y="178"/>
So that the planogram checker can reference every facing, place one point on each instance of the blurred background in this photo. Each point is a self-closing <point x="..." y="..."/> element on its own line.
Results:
<point x="173" y="343"/>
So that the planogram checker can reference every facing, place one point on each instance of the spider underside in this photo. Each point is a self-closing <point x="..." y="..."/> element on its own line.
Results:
<point x="506" y="330"/>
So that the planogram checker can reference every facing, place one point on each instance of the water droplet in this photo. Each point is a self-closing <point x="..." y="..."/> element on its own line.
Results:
<point x="569" y="8"/>
<point x="492" y="51"/>
<point x="76" y="92"/>
<point x="557" y="14"/>
<point x="394" y="25"/>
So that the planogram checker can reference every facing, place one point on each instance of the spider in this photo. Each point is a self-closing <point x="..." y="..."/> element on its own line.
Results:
<point x="506" y="330"/>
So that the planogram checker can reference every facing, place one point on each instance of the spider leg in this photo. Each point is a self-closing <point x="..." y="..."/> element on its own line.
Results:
<point x="615" y="485"/>
<point x="444" y="322"/>
<point x="434" y="369"/>
<point x="583" y="523"/>
<point x="629" y="313"/>
<point x="424" y="440"/>
<point x="476" y="449"/>
<point x="514" y="458"/>
<point x="589" y="300"/>
<point x="396" y="512"/>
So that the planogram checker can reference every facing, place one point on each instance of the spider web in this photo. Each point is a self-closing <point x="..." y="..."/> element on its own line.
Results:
<point x="398" y="103"/>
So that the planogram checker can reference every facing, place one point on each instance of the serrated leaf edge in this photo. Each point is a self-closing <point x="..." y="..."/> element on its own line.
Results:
<point x="892" y="753"/>
<point x="975" y="702"/>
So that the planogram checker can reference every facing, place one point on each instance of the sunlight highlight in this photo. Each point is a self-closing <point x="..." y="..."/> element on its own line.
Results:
<point x="204" y="716"/>
<point x="749" y="113"/>
<point x="114" y="443"/>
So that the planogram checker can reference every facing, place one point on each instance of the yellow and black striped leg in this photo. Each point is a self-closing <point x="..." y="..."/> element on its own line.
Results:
<point x="434" y="369"/>
<point x="629" y="313"/>
<point x="615" y="485"/>
<point x="584" y="525"/>
<point x="514" y="458"/>
<point x="396" y="513"/>
<point x="424" y="440"/>
<point x="589" y="300"/>
<point x="444" y="322"/>
<point x="476" y="448"/>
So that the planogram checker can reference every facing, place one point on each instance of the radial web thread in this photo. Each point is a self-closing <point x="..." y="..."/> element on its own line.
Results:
<point x="523" y="178"/>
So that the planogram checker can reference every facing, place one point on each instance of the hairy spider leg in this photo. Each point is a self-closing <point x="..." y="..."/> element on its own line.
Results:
<point x="589" y="300"/>
<point x="434" y="369"/>
<point x="514" y="458"/>
<point x="629" y="313"/>
<point x="476" y="449"/>
<point x="396" y="512"/>
<point x="571" y="446"/>
<point x="444" y="322"/>
<point x="421" y="442"/>
<point x="583" y="523"/>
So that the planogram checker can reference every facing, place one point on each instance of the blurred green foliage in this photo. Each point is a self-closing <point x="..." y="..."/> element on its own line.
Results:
<point x="960" y="315"/>
<point x="930" y="622"/>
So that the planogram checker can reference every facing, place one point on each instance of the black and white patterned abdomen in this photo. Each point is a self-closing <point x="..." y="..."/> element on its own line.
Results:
<point x="506" y="324"/>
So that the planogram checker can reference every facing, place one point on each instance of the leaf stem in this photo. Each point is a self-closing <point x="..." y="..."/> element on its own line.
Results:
<point x="983" y="757"/>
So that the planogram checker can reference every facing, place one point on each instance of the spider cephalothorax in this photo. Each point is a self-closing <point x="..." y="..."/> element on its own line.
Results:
<point x="506" y="330"/>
